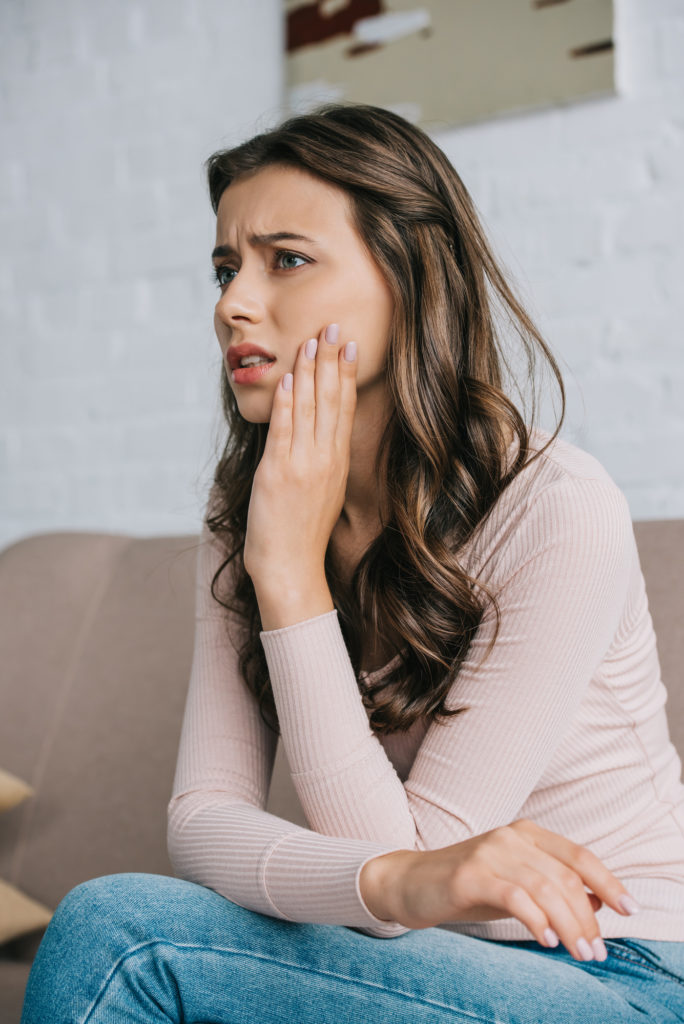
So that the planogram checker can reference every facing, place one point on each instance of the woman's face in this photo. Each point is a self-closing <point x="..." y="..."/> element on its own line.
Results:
<point x="279" y="293"/>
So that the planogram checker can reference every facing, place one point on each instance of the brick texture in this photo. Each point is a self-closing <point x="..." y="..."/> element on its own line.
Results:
<point x="109" y="368"/>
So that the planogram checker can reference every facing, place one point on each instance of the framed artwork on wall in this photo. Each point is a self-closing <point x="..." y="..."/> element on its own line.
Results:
<point x="448" y="62"/>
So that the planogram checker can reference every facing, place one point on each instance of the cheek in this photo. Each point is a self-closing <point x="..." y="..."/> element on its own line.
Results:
<point x="374" y="328"/>
<point x="372" y="304"/>
<point x="219" y="331"/>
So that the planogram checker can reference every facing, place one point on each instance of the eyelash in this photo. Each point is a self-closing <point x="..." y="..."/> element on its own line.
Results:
<point x="215" y="276"/>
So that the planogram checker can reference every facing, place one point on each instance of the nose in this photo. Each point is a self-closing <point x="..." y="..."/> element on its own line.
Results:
<point x="241" y="299"/>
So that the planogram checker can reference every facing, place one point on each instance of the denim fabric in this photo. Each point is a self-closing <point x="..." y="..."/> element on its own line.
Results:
<point x="143" y="947"/>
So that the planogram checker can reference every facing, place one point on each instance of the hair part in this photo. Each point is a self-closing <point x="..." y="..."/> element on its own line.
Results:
<point x="442" y="459"/>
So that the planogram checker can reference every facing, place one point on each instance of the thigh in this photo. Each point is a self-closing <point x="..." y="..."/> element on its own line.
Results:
<point x="647" y="974"/>
<point x="141" y="947"/>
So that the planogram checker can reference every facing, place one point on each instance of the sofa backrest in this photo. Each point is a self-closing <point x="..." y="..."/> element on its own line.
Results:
<point x="661" y="553"/>
<point x="96" y="637"/>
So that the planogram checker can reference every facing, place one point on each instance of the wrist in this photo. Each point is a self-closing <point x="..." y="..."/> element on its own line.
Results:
<point x="286" y="600"/>
<point x="381" y="884"/>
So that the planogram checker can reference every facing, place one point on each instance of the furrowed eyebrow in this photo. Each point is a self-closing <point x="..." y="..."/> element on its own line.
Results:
<point x="275" y="236"/>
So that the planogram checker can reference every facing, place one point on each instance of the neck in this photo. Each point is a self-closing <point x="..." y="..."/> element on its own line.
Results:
<point x="363" y="497"/>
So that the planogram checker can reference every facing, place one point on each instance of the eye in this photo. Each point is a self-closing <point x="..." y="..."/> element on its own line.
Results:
<point x="217" y="275"/>
<point x="286" y="252"/>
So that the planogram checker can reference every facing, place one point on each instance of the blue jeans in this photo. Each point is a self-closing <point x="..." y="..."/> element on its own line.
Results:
<point x="143" y="947"/>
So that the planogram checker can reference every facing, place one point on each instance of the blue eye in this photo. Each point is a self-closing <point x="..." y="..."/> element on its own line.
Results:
<point x="284" y="252"/>
<point x="217" y="275"/>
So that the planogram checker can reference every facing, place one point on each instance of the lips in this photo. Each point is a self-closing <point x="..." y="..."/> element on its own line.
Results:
<point x="238" y="352"/>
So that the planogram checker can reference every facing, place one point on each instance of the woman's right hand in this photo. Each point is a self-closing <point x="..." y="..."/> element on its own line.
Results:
<point x="519" y="870"/>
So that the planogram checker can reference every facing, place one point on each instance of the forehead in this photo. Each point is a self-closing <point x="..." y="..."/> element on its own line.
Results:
<point x="278" y="197"/>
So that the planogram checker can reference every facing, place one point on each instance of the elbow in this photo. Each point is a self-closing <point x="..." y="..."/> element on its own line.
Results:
<point x="173" y="834"/>
<point x="179" y="814"/>
<point x="187" y="814"/>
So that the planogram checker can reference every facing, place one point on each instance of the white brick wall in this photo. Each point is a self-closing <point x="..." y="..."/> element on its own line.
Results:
<point x="585" y="206"/>
<point x="109" y="367"/>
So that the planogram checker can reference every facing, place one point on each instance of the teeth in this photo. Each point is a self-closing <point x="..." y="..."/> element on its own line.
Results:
<point x="253" y="360"/>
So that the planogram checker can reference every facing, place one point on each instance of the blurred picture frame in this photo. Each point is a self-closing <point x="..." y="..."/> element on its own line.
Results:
<point x="443" y="63"/>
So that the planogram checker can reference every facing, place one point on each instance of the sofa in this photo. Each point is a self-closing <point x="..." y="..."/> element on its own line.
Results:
<point x="96" y="638"/>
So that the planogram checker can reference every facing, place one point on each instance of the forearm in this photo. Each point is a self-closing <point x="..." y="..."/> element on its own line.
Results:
<point x="268" y="864"/>
<point x="346" y="783"/>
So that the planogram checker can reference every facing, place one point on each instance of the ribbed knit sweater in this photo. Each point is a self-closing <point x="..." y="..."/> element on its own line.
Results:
<point x="566" y="726"/>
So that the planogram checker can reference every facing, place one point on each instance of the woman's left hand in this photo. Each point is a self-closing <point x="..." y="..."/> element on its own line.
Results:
<point x="299" y="485"/>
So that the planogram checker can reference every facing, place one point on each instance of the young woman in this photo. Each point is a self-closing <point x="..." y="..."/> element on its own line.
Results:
<point x="437" y="606"/>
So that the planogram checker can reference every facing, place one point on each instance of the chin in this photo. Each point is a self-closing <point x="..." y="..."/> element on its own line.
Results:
<point x="255" y="409"/>
<point x="256" y="419"/>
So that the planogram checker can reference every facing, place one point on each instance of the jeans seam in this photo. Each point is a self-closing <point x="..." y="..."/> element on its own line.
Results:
<point x="642" y="962"/>
<point x="133" y="951"/>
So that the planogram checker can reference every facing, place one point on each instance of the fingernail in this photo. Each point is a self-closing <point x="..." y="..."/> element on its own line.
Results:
<point x="310" y="347"/>
<point x="600" y="951"/>
<point x="629" y="905"/>
<point x="287" y="382"/>
<point x="584" y="949"/>
<point x="550" y="937"/>
<point x="350" y="351"/>
<point x="331" y="333"/>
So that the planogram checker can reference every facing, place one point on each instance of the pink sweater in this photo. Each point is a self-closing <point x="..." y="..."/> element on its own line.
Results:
<point x="566" y="726"/>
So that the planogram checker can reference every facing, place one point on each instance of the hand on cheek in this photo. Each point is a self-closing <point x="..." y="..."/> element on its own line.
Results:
<point x="299" y="486"/>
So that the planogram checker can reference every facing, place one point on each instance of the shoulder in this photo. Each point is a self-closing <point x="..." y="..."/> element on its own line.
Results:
<point x="562" y="474"/>
<point x="555" y="459"/>
<point x="564" y="504"/>
<point x="565" y="472"/>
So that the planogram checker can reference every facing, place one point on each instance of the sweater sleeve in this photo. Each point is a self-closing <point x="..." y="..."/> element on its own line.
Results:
<point x="219" y="834"/>
<point x="561" y="583"/>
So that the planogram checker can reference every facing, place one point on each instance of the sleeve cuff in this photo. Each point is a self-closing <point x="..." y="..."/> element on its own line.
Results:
<point x="332" y="866"/>
<point x="297" y="625"/>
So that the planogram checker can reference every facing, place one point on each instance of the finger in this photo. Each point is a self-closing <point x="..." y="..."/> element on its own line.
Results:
<point x="519" y="903"/>
<point x="348" y="371"/>
<point x="279" y="436"/>
<point x="591" y="870"/>
<point x="327" y="387"/>
<point x="304" y="401"/>
<point x="569" y="883"/>
<point x="559" y="892"/>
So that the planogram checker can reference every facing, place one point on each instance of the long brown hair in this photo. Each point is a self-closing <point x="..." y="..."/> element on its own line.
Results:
<point x="442" y="457"/>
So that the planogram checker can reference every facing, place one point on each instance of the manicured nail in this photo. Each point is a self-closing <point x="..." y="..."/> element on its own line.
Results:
<point x="287" y="382"/>
<point x="584" y="949"/>
<point x="310" y="347"/>
<point x="600" y="951"/>
<point x="629" y="905"/>
<point x="331" y="333"/>
<point x="350" y="351"/>
<point x="550" y="937"/>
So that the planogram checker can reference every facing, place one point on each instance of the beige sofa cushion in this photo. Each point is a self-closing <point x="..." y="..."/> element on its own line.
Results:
<point x="12" y="790"/>
<point x="96" y="640"/>
<point x="19" y="914"/>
